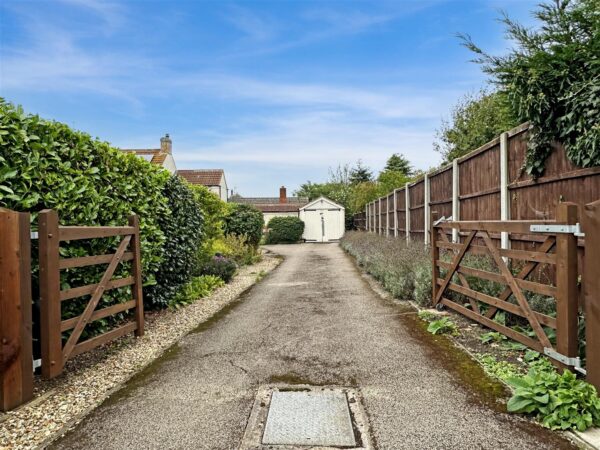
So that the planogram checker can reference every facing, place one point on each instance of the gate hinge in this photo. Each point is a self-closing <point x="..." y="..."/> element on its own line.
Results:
<point x="568" y="229"/>
<point x="566" y="360"/>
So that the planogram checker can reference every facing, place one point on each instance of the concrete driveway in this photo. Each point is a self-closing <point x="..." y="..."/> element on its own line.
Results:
<point x="314" y="320"/>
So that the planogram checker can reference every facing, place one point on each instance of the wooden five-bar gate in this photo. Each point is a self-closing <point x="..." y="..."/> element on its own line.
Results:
<point x="60" y="339"/>
<point x="54" y="353"/>
<point x="518" y="271"/>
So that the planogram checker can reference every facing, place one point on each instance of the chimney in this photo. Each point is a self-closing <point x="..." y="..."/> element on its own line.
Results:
<point x="166" y="145"/>
<point x="282" y="195"/>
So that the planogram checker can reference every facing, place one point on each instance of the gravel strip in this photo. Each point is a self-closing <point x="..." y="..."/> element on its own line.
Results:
<point x="91" y="377"/>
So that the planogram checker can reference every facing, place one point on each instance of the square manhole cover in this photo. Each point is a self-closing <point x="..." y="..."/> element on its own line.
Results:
<point x="309" y="418"/>
<point x="302" y="416"/>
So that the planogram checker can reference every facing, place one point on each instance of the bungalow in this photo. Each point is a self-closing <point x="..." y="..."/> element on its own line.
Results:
<point x="213" y="179"/>
<point x="162" y="156"/>
<point x="275" y="207"/>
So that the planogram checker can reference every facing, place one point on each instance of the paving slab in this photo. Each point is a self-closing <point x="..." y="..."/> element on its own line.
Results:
<point x="313" y="321"/>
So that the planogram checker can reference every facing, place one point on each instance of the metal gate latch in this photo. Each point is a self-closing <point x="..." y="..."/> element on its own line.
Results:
<point x="568" y="229"/>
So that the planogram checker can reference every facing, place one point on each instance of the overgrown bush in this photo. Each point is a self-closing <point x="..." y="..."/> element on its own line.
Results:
<point x="244" y="220"/>
<point x="183" y="227"/>
<point x="284" y="230"/>
<point x="237" y="249"/>
<point x="551" y="79"/>
<point x="221" y="267"/>
<point x="196" y="288"/>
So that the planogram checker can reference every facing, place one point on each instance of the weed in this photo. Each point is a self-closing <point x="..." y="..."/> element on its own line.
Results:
<point x="443" y="326"/>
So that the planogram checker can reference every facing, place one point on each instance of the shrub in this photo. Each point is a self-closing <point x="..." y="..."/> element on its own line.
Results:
<point x="47" y="165"/>
<point x="244" y="220"/>
<point x="237" y="249"/>
<point x="284" y="230"/>
<point x="213" y="211"/>
<point x="196" y="288"/>
<point x="393" y="262"/>
<point x="183" y="228"/>
<point x="221" y="267"/>
<point x="560" y="402"/>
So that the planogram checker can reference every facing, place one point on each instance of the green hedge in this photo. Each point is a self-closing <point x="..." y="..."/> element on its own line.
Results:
<point x="284" y="230"/>
<point x="46" y="164"/>
<point x="245" y="220"/>
<point x="183" y="227"/>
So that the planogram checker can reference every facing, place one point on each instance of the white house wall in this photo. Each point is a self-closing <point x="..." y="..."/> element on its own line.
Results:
<point x="269" y="215"/>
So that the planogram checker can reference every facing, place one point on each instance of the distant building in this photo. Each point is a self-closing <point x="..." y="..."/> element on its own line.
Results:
<point x="213" y="179"/>
<point x="162" y="156"/>
<point x="281" y="206"/>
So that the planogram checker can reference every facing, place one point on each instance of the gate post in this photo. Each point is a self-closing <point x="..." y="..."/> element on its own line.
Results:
<point x="591" y="291"/>
<point x="16" y="362"/>
<point x="566" y="283"/>
<point x="134" y="221"/>
<point x="435" y="256"/>
<point x="50" y="310"/>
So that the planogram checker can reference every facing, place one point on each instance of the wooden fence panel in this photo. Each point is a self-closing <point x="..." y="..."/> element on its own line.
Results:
<point x="401" y="212"/>
<point x="417" y="208"/>
<point x="390" y="214"/>
<point x="479" y="184"/>
<point x="440" y="191"/>
<point x="16" y="363"/>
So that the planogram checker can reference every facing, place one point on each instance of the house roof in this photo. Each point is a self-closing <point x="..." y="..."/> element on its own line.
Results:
<point x="205" y="177"/>
<point x="269" y="200"/>
<point x="153" y="155"/>
<point x="278" y="207"/>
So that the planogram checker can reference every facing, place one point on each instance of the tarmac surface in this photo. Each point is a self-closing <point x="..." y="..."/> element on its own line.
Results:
<point x="314" y="320"/>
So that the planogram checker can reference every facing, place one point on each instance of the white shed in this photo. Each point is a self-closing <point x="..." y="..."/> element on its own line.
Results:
<point x="323" y="220"/>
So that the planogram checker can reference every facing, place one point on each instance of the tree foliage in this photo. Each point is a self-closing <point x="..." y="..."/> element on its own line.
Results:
<point x="360" y="174"/>
<point x="552" y="79"/>
<point x="474" y="121"/>
<point x="398" y="163"/>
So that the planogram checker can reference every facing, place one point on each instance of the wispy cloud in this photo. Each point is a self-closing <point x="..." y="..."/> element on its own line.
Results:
<point x="253" y="26"/>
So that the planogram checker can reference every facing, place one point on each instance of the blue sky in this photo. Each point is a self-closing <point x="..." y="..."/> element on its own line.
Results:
<point x="273" y="92"/>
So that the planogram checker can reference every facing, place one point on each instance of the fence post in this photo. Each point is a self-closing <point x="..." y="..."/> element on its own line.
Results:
<point x="591" y="291"/>
<point x="407" y="213"/>
<point x="504" y="192"/>
<point x="426" y="220"/>
<point x="435" y="256"/>
<point x="380" y="227"/>
<point x="387" y="215"/>
<point x="455" y="198"/>
<point x="395" y="214"/>
<point x="50" y="311"/>
<point x="136" y="269"/>
<point x="566" y="283"/>
<point x="16" y="363"/>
